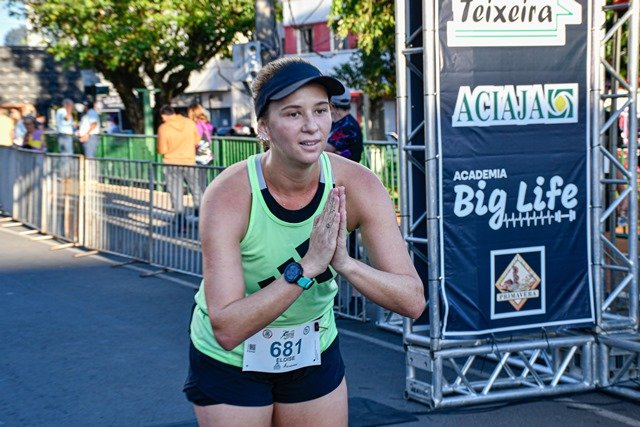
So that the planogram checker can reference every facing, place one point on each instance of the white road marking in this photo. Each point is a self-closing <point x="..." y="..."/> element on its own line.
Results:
<point x="601" y="412"/>
<point x="102" y="258"/>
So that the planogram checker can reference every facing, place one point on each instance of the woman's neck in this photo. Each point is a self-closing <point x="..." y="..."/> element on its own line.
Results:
<point x="291" y="187"/>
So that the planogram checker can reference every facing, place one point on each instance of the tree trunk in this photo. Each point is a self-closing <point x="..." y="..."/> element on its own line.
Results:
<point x="161" y="98"/>
<point x="125" y="84"/>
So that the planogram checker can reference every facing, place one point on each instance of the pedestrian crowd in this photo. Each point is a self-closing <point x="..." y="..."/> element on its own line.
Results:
<point x="22" y="126"/>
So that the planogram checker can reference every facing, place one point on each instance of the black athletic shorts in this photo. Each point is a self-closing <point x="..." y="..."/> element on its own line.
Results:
<point x="211" y="382"/>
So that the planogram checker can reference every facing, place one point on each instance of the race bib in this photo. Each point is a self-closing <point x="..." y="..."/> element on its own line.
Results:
<point x="283" y="349"/>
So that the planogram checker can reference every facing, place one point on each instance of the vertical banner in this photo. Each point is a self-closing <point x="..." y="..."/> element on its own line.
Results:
<point x="514" y="132"/>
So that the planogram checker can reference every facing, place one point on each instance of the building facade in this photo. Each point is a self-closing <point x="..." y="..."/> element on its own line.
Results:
<point x="31" y="76"/>
<point x="307" y="34"/>
<point x="223" y="88"/>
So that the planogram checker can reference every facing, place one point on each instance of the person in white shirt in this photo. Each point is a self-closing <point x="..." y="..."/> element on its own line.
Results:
<point x="64" y="126"/>
<point x="89" y="130"/>
<point x="18" y="129"/>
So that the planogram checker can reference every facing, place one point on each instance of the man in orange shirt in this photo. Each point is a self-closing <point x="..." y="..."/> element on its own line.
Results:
<point x="177" y="140"/>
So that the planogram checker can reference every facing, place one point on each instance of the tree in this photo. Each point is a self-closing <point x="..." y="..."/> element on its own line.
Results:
<point x="141" y="43"/>
<point x="372" y="69"/>
<point x="16" y="36"/>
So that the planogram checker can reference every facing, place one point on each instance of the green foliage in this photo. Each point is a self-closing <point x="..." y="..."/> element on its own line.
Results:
<point x="136" y="41"/>
<point x="372" y="69"/>
<point x="372" y="20"/>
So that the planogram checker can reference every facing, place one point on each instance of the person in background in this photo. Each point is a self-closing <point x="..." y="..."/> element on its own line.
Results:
<point x="89" y="129"/>
<point x="6" y="128"/>
<point x="177" y="141"/>
<point x="242" y="128"/>
<point x="29" y="110"/>
<point x="111" y="124"/>
<point x="264" y="342"/>
<point x="206" y="130"/>
<point x="18" y="126"/>
<point x="33" y="139"/>
<point x="41" y="119"/>
<point x="65" y="126"/>
<point x="345" y="137"/>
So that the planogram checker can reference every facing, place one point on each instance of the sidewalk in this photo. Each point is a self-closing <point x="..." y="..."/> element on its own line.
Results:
<point x="87" y="344"/>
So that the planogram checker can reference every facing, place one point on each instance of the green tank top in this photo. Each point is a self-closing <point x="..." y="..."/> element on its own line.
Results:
<point x="269" y="244"/>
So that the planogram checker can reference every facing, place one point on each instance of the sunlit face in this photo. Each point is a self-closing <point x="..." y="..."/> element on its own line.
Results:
<point x="298" y="125"/>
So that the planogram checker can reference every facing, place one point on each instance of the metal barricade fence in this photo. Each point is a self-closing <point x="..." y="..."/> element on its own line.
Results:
<point x="27" y="187"/>
<point x="125" y="207"/>
<point x="8" y="176"/>
<point x="175" y="234"/>
<point x="117" y="208"/>
<point x="62" y="197"/>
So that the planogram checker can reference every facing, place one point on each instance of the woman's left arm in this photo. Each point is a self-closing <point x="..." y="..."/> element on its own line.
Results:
<point x="391" y="280"/>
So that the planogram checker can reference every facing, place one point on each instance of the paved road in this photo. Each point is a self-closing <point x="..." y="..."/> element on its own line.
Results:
<point x="85" y="344"/>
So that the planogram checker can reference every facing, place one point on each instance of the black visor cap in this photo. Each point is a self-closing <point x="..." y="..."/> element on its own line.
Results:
<point x="291" y="78"/>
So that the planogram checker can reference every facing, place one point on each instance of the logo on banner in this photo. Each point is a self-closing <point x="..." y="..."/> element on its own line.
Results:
<point x="519" y="290"/>
<point x="498" y="23"/>
<point x="552" y="103"/>
<point x="518" y="283"/>
<point x="550" y="201"/>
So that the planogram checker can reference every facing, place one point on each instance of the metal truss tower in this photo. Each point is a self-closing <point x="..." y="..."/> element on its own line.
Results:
<point x="453" y="372"/>
<point x="615" y="183"/>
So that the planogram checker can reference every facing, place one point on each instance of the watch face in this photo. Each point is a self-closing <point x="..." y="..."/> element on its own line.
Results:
<point x="292" y="272"/>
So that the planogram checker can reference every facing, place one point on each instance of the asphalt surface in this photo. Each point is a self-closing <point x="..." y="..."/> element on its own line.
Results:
<point x="87" y="342"/>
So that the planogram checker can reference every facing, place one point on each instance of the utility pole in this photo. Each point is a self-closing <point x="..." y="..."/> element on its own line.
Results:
<point x="267" y="31"/>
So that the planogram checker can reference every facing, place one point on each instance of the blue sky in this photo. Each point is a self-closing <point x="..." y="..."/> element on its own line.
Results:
<point x="6" y="22"/>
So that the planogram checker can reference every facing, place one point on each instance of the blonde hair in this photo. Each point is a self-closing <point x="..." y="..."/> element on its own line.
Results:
<point x="197" y="112"/>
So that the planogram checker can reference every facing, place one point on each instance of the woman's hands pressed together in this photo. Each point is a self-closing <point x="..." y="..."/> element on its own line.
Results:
<point x="341" y="255"/>
<point x="328" y="242"/>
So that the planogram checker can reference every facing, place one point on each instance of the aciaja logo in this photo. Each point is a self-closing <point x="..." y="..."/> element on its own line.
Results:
<point x="497" y="23"/>
<point x="516" y="105"/>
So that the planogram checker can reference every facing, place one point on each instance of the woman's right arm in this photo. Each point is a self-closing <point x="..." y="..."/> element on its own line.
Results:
<point x="223" y="222"/>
